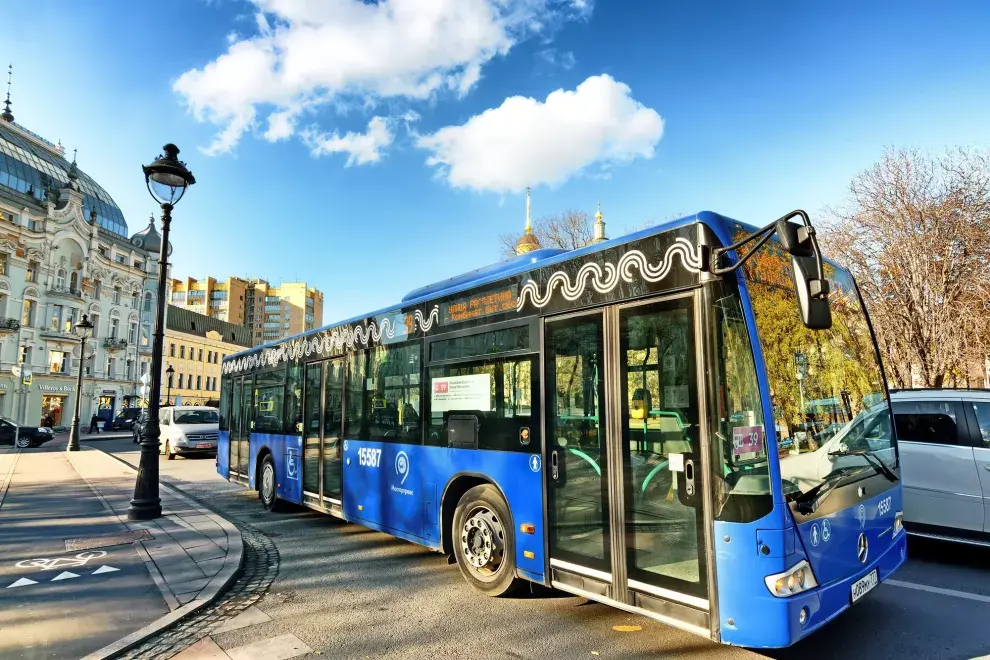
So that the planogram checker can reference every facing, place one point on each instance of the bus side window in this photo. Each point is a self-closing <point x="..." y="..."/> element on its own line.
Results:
<point x="498" y="392"/>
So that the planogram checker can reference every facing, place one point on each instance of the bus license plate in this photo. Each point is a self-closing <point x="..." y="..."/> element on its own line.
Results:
<point x="864" y="585"/>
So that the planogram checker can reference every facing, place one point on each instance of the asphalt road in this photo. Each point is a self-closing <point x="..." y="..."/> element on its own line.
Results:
<point x="350" y="592"/>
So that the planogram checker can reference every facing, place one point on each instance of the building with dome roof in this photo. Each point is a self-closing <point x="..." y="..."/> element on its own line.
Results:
<point x="65" y="251"/>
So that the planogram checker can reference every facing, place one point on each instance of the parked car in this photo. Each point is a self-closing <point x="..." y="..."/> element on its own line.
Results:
<point x="137" y="427"/>
<point x="124" y="421"/>
<point x="28" y="436"/>
<point x="188" y="430"/>
<point x="944" y="441"/>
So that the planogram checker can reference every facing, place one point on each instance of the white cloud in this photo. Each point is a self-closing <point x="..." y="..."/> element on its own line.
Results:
<point x="305" y="54"/>
<point x="527" y="142"/>
<point x="361" y="148"/>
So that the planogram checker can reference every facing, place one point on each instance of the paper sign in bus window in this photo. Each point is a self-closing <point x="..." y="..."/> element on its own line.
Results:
<point x="675" y="396"/>
<point x="462" y="393"/>
<point x="747" y="442"/>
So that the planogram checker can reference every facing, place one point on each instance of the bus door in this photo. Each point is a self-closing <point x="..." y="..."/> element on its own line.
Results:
<point x="322" y="420"/>
<point x="626" y="519"/>
<point x="240" y="428"/>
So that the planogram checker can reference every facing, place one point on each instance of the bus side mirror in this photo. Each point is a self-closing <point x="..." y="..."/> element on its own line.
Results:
<point x="795" y="239"/>
<point x="812" y="293"/>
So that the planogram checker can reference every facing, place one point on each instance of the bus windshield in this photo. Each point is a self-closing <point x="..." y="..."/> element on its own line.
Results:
<point x="829" y="402"/>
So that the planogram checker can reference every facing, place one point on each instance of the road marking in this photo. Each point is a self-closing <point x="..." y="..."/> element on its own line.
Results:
<point x="48" y="563"/>
<point x="939" y="590"/>
<point x="65" y="575"/>
<point x="104" y="569"/>
<point x="23" y="582"/>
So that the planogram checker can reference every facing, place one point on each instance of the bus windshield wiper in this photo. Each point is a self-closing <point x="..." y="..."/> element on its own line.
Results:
<point x="808" y="502"/>
<point x="875" y="461"/>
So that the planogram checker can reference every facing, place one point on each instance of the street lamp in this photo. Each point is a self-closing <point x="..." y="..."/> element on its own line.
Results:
<point x="168" y="397"/>
<point x="167" y="179"/>
<point x="82" y="328"/>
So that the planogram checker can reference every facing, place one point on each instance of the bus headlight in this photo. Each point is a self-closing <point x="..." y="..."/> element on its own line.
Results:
<point x="794" y="580"/>
<point x="898" y="522"/>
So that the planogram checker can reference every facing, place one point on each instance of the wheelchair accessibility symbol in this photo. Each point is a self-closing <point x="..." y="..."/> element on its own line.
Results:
<point x="291" y="467"/>
<point x="534" y="463"/>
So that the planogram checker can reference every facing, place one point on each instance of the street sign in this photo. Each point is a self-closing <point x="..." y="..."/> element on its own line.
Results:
<point x="146" y="379"/>
<point x="16" y="370"/>
<point x="28" y="378"/>
<point x="143" y="391"/>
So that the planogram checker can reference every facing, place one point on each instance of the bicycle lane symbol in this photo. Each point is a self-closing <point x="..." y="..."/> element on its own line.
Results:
<point x="51" y="563"/>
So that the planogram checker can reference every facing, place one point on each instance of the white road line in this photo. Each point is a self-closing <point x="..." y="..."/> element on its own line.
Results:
<point x="939" y="590"/>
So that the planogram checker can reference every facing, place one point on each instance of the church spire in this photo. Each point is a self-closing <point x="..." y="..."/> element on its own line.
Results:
<point x="528" y="241"/>
<point x="7" y="115"/>
<point x="599" y="226"/>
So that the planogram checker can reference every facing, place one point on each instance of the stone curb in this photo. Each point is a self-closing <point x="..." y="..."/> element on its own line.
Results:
<point x="217" y="585"/>
<point x="7" y="478"/>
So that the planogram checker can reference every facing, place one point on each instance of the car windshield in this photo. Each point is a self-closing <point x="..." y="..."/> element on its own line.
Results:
<point x="197" y="417"/>
<point x="826" y="386"/>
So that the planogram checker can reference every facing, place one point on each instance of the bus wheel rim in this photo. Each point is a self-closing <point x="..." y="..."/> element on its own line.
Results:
<point x="268" y="483"/>
<point x="483" y="543"/>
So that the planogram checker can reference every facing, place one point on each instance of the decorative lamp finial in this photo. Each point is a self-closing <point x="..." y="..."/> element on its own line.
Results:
<point x="7" y="115"/>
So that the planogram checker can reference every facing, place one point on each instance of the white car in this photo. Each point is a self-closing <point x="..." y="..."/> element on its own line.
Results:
<point x="187" y="430"/>
<point x="944" y="441"/>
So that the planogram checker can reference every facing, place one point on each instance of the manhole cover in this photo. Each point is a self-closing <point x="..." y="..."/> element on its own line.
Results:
<point x="105" y="541"/>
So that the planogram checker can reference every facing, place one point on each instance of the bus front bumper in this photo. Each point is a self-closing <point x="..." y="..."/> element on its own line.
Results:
<point x="781" y="617"/>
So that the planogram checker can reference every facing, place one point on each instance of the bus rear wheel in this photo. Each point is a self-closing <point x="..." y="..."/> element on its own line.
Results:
<point x="266" y="489"/>
<point x="484" y="542"/>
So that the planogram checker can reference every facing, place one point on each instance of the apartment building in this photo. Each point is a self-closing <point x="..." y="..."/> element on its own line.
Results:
<point x="195" y="345"/>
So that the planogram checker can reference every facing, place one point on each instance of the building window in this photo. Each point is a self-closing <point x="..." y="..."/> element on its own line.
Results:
<point x="134" y="300"/>
<point x="182" y="352"/>
<point x="132" y="334"/>
<point x="32" y="271"/>
<point x="171" y="350"/>
<point x="27" y="316"/>
<point x="25" y="356"/>
<point x="200" y="359"/>
<point x="121" y="259"/>
<point x="74" y="282"/>
<point x="130" y="370"/>
<point x="114" y="327"/>
<point x="147" y="302"/>
<point x="116" y="295"/>
<point x="69" y="320"/>
<point x="145" y="335"/>
<point x="198" y="382"/>
<point x="97" y="285"/>
<point x="95" y="320"/>
<point x="139" y="265"/>
<point x="56" y="317"/>
<point x="60" y="279"/>
<point x="57" y="362"/>
<point x="109" y="367"/>
<point x="180" y="382"/>
<point x="3" y="264"/>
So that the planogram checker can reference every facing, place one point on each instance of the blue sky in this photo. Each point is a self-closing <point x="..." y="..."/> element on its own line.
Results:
<point x="371" y="149"/>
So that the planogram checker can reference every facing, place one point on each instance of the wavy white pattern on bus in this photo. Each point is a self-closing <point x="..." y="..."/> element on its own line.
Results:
<point x="605" y="278"/>
<point x="329" y="341"/>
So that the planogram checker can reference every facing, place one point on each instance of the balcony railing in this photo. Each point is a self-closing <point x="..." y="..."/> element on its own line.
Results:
<point x="9" y="324"/>
<point x="65" y="291"/>
<point x="114" y="344"/>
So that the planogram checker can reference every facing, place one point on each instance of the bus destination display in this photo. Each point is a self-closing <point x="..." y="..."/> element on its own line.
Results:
<point x="484" y="304"/>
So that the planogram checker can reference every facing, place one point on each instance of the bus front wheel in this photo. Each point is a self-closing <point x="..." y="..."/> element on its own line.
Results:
<point x="266" y="490"/>
<point x="484" y="542"/>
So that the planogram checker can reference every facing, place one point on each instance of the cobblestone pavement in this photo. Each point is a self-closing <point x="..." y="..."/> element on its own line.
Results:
<point x="261" y="561"/>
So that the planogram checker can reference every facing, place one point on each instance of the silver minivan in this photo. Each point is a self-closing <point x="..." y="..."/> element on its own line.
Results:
<point x="943" y="439"/>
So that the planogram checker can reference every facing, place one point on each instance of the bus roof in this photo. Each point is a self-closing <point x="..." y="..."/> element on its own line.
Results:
<point x="721" y="225"/>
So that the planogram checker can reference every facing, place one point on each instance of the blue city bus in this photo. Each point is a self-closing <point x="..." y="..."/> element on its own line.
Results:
<point x="615" y="422"/>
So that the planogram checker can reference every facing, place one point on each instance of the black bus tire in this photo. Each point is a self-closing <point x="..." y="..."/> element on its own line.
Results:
<point x="484" y="542"/>
<point x="267" y="486"/>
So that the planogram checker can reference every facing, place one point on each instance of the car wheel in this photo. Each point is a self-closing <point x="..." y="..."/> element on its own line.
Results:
<point x="267" y="488"/>
<point x="484" y="543"/>
<point x="23" y="442"/>
<point x="169" y="456"/>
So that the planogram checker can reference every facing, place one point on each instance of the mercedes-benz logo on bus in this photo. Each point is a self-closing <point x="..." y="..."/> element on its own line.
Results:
<point x="862" y="548"/>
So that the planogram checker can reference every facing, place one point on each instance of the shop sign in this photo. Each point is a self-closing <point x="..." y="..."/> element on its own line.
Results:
<point x="109" y="391"/>
<point x="56" y="388"/>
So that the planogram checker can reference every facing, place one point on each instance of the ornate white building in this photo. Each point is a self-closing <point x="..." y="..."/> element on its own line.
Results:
<point x="65" y="252"/>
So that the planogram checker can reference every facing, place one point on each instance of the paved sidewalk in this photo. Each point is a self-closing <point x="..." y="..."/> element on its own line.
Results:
<point x="193" y="555"/>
